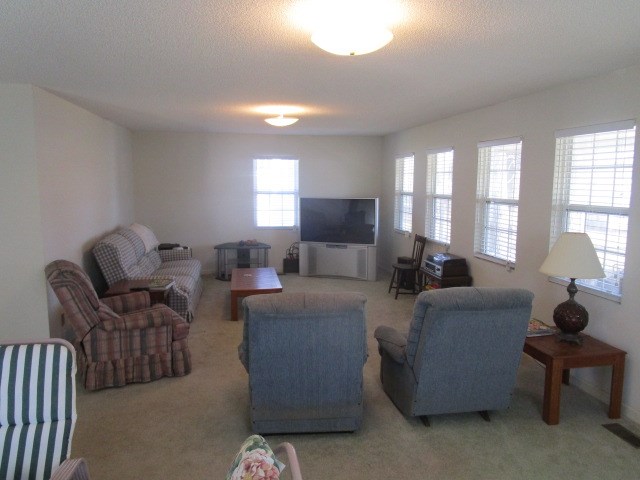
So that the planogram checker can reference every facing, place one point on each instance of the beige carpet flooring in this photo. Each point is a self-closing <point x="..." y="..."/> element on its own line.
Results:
<point x="191" y="427"/>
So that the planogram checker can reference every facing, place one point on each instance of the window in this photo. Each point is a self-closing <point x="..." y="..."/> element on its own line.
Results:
<point x="438" y="205"/>
<point x="403" y="210"/>
<point x="275" y="185"/>
<point x="592" y="193"/>
<point x="497" y="199"/>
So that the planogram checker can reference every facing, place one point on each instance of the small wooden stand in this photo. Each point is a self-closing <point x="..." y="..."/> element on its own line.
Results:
<point x="560" y="357"/>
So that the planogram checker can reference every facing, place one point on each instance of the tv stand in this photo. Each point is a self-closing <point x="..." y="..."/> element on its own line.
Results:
<point x="338" y="260"/>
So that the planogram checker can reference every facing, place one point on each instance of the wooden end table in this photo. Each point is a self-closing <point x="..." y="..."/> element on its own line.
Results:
<point x="252" y="281"/>
<point x="127" y="286"/>
<point x="560" y="357"/>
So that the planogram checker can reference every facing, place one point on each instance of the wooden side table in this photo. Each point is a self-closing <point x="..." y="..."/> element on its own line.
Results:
<point x="127" y="286"/>
<point x="560" y="357"/>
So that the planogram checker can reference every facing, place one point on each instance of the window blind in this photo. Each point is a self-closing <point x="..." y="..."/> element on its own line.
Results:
<point x="592" y="193"/>
<point x="438" y="195"/>
<point x="497" y="197"/>
<point x="403" y="208"/>
<point x="275" y="192"/>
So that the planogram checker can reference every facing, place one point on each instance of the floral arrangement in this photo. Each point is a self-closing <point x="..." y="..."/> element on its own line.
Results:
<point x="255" y="461"/>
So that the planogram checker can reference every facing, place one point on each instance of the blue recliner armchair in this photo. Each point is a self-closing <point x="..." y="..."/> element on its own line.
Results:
<point x="461" y="353"/>
<point x="305" y="354"/>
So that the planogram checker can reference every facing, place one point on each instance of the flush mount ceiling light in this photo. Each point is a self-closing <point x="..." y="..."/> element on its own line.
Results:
<point x="352" y="41"/>
<point x="348" y="27"/>
<point x="281" y="121"/>
<point x="280" y="111"/>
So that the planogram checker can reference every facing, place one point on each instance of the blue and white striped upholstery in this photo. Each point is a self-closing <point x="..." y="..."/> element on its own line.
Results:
<point x="38" y="408"/>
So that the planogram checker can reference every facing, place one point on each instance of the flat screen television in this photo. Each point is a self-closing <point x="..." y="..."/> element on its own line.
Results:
<point x="339" y="220"/>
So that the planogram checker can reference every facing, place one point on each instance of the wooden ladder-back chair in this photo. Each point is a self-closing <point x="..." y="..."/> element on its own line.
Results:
<point x="406" y="272"/>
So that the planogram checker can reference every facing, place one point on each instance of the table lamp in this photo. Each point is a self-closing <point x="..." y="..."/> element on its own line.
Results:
<point x="572" y="256"/>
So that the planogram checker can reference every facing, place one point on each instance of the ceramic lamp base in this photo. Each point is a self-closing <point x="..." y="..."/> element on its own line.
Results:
<point x="571" y="318"/>
<point x="574" y="338"/>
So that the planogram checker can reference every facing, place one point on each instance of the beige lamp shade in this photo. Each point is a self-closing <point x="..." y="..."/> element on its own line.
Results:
<point x="573" y="256"/>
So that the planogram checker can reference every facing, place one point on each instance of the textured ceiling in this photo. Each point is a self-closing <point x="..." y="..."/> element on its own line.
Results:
<point x="204" y="65"/>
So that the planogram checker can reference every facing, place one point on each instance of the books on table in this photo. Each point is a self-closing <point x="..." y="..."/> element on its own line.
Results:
<point x="538" y="328"/>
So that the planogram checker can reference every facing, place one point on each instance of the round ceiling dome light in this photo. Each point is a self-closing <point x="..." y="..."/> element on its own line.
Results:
<point x="281" y="121"/>
<point x="348" y="27"/>
<point x="352" y="41"/>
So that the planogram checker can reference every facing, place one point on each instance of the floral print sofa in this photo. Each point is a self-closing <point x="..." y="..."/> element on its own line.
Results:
<point x="132" y="253"/>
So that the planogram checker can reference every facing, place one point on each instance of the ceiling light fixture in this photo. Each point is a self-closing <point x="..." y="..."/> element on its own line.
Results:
<point x="348" y="27"/>
<point x="351" y="41"/>
<point x="281" y="121"/>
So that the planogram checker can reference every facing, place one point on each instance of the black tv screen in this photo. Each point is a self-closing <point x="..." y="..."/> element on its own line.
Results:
<point x="339" y="220"/>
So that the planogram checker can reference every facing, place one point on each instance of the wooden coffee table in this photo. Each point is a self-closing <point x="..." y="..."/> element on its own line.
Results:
<point x="252" y="281"/>
<point x="559" y="357"/>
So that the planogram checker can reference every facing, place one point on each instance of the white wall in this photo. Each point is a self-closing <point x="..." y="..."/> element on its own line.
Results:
<point x="85" y="176"/>
<point x="23" y="298"/>
<point x="535" y="117"/>
<point x="67" y="178"/>
<point x="197" y="188"/>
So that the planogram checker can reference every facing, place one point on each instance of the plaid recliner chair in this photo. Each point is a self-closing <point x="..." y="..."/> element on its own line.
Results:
<point x="121" y="339"/>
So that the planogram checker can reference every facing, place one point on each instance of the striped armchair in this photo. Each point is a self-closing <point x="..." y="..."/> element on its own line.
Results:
<point x="121" y="339"/>
<point x="38" y="411"/>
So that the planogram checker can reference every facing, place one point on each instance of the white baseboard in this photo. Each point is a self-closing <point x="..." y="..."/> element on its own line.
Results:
<point x="602" y="395"/>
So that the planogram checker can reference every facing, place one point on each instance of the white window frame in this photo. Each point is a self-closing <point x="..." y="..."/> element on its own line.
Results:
<point x="582" y="155"/>
<point x="437" y="222"/>
<point x="275" y="193"/>
<point x="403" y="198"/>
<point x="497" y="198"/>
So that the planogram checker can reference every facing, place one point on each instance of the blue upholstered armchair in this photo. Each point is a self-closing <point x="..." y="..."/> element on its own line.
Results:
<point x="461" y="353"/>
<point x="305" y="354"/>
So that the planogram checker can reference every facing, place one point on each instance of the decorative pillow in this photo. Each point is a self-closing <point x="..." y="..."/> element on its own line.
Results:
<point x="146" y="235"/>
<point x="255" y="461"/>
